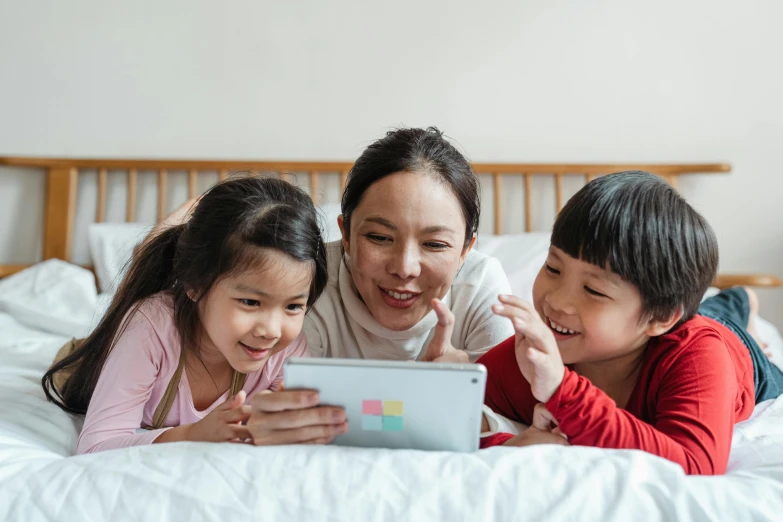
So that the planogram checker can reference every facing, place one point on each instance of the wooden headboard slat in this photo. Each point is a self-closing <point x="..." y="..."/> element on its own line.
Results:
<point x="62" y="185"/>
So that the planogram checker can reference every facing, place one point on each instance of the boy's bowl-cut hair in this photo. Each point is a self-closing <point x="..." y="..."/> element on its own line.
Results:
<point x="639" y="227"/>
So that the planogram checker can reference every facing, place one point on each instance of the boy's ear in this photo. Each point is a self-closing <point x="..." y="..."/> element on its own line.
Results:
<point x="657" y="327"/>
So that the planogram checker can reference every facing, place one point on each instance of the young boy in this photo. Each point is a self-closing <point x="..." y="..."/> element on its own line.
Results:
<point x="615" y="351"/>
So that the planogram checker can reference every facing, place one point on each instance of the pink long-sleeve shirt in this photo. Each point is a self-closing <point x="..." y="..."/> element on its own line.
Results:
<point x="138" y="371"/>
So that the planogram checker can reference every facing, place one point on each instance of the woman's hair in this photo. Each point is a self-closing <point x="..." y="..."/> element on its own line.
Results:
<point x="227" y="233"/>
<point x="639" y="227"/>
<point x="423" y="151"/>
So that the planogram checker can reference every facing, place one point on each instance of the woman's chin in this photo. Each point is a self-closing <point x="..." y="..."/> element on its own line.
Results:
<point x="399" y="322"/>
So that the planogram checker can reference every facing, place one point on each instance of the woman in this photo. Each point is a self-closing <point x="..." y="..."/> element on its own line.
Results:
<point x="404" y="281"/>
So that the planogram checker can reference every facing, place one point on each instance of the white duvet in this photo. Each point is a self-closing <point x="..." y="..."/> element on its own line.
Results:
<point x="40" y="480"/>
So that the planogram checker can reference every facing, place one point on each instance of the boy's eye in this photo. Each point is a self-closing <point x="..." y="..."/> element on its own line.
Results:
<point x="551" y="270"/>
<point x="593" y="292"/>
<point x="249" y="302"/>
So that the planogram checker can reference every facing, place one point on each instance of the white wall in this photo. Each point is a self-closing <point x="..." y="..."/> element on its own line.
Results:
<point x="516" y="81"/>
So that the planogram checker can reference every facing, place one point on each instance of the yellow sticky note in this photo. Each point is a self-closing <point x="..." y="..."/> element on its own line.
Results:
<point x="392" y="407"/>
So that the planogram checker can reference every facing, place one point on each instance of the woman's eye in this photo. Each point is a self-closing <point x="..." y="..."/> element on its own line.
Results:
<point x="249" y="302"/>
<point x="436" y="245"/>
<point x="377" y="238"/>
<point x="593" y="292"/>
<point x="295" y="307"/>
<point x="551" y="270"/>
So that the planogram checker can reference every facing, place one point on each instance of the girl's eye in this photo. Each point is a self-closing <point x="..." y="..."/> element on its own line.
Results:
<point x="551" y="270"/>
<point x="295" y="307"/>
<point x="593" y="292"/>
<point x="249" y="302"/>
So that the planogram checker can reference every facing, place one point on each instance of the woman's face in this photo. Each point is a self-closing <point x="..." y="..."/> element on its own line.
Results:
<point x="406" y="244"/>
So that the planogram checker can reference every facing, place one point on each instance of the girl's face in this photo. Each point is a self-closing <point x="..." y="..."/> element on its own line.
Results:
<point x="405" y="246"/>
<point x="250" y="316"/>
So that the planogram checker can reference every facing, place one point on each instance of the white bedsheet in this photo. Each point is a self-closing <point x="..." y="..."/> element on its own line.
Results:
<point x="40" y="480"/>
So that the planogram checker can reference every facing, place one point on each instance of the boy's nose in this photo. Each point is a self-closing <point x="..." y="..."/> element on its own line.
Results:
<point x="559" y="300"/>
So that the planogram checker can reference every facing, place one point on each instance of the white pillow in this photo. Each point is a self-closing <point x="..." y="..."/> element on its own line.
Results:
<point x="53" y="296"/>
<point x="327" y="217"/>
<point x="520" y="255"/>
<point x="111" y="248"/>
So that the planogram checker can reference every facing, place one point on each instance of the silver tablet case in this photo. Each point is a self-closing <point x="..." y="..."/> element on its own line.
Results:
<point x="393" y="404"/>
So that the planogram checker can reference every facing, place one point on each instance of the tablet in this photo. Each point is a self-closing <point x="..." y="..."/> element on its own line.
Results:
<point x="398" y="404"/>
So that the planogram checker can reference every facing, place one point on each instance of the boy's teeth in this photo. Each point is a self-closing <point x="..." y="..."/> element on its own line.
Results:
<point x="560" y="329"/>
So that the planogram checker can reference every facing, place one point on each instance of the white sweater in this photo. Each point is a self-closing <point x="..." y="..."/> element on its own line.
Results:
<point x="340" y="325"/>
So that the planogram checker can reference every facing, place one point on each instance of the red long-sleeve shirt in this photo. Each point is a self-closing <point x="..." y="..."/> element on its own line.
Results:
<point x="695" y="384"/>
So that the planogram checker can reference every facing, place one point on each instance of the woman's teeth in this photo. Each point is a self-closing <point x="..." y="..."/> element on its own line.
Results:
<point x="561" y="329"/>
<point x="399" y="296"/>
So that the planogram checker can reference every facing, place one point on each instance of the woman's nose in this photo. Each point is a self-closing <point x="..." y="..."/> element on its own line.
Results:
<point x="405" y="262"/>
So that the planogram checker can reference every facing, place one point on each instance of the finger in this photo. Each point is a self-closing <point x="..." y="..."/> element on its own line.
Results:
<point x="293" y="419"/>
<point x="511" y="311"/>
<point x="538" y="334"/>
<point x="301" y="435"/>
<point x="238" y="431"/>
<point x="512" y="300"/>
<point x="285" y="400"/>
<point x="233" y="401"/>
<point x="543" y="419"/>
<point x="320" y="441"/>
<point x="238" y="414"/>
<point x="441" y="339"/>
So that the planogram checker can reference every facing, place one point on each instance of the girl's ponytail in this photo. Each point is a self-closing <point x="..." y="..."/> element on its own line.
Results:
<point x="150" y="272"/>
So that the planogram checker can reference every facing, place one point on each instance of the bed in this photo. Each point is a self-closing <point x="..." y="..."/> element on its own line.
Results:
<point x="43" y="304"/>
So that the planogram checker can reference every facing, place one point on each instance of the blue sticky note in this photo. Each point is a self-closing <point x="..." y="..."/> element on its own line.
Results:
<point x="372" y="423"/>
<point x="392" y="423"/>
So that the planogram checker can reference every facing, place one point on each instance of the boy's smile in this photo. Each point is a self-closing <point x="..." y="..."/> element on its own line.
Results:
<point x="594" y="315"/>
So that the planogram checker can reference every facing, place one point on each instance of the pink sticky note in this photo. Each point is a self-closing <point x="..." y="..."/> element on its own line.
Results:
<point x="372" y="407"/>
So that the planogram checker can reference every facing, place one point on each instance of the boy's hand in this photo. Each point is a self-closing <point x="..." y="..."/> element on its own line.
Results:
<point x="224" y="423"/>
<point x="536" y="349"/>
<point x="533" y="435"/>
<point x="440" y="348"/>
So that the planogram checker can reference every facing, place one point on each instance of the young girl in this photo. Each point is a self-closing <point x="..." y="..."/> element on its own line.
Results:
<point x="206" y="316"/>
<point x="616" y="350"/>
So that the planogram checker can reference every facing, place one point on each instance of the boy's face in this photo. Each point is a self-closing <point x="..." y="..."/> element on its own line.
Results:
<point x="594" y="315"/>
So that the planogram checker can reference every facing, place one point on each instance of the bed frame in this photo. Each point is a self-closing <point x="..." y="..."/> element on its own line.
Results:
<point x="62" y="175"/>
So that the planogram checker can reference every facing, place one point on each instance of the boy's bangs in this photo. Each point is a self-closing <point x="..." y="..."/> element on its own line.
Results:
<point x="597" y="234"/>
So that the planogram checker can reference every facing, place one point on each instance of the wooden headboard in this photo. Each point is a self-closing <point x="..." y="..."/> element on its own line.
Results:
<point x="62" y="184"/>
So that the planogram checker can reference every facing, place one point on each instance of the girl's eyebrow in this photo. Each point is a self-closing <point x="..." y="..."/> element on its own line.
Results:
<point x="249" y="289"/>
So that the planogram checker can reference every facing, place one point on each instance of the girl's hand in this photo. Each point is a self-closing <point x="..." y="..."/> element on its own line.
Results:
<point x="440" y="348"/>
<point x="224" y="423"/>
<point x="294" y="417"/>
<point x="536" y="349"/>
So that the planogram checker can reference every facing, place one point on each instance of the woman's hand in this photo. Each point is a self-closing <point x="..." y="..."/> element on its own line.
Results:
<point x="536" y="348"/>
<point x="223" y="424"/>
<point x="440" y="348"/>
<point x="294" y="417"/>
